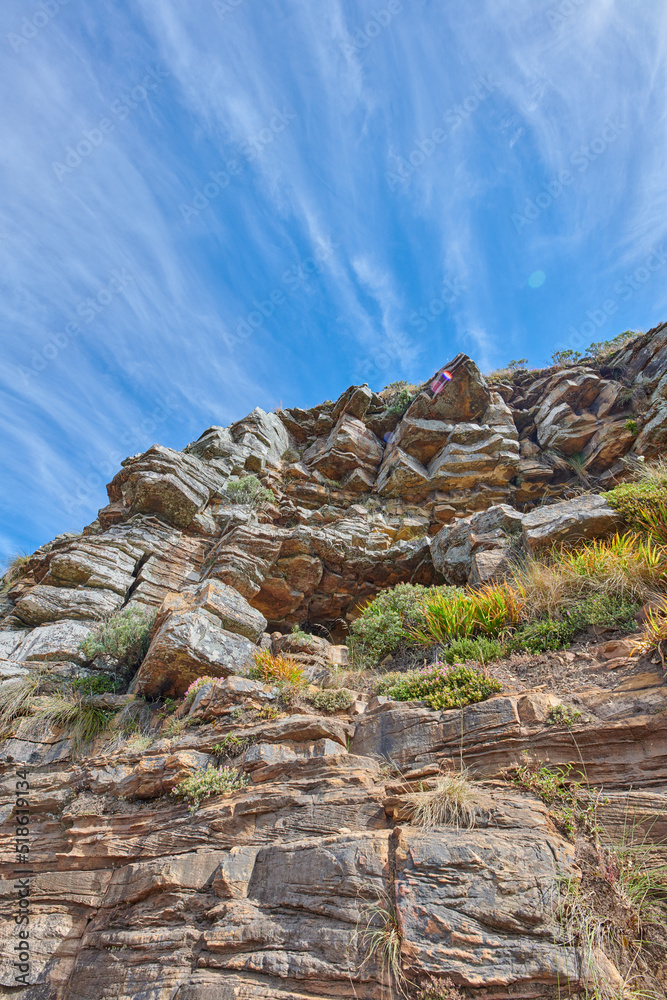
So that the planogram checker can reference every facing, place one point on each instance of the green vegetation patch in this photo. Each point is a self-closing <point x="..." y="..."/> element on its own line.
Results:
<point x="210" y="781"/>
<point x="248" y="490"/>
<point x="124" y="638"/>
<point x="333" y="700"/>
<point x="440" y="685"/>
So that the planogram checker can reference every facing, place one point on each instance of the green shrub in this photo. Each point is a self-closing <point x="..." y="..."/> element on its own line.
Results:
<point x="383" y="624"/>
<point x="248" y="490"/>
<point x="645" y="494"/>
<point x="333" y="700"/>
<point x="479" y="649"/>
<point x="400" y="403"/>
<point x="631" y="425"/>
<point x="233" y="746"/>
<point x="209" y="781"/>
<point x="441" y="686"/>
<point x="100" y="684"/>
<point x="545" y="634"/>
<point x="124" y="638"/>
<point x="566" y="358"/>
<point x="599" y="350"/>
<point x="540" y="636"/>
<point x="563" y="715"/>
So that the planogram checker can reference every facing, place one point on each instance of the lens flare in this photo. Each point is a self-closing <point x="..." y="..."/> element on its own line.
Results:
<point x="443" y="378"/>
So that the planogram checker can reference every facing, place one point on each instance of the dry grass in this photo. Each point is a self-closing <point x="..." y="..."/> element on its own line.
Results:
<point x="625" y="565"/>
<point x="16" y="701"/>
<point x="82" y="721"/>
<point x="381" y="938"/>
<point x="654" y="632"/>
<point x="450" y="803"/>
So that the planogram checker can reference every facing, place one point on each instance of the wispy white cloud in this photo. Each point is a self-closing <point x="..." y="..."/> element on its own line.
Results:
<point x="320" y="180"/>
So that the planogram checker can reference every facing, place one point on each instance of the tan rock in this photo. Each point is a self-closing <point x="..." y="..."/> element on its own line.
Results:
<point x="569" y="521"/>
<point x="188" y="645"/>
<point x="536" y="706"/>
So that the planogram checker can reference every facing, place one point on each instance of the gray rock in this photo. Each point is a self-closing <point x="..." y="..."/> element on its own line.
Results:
<point x="59" y="641"/>
<point x="11" y="640"/>
<point x="489" y="899"/>
<point x="51" y="604"/>
<point x="189" y="645"/>
<point x="569" y="521"/>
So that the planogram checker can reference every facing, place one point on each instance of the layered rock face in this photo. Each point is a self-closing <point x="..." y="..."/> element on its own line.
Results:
<point x="359" y="490"/>
<point x="267" y="893"/>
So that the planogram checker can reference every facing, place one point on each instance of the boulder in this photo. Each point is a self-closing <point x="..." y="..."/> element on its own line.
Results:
<point x="563" y="429"/>
<point x="169" y="483"/>
<point x="349" y="446"/>
<point x="465" y="398"/>
<point x="224" y="603"/>
<point x="51" y="604"/>
<point x="59" y="641"/>
<point x="608" y="444"/>
<point x="477" y="549"/>
<point x="427" y="453"/>
<point x="214" y="699"/>
<point x="354" y="401"/>
<point x="569" y="521"/>
<point x="147" y="778"/>
<point x="189" y="645"/>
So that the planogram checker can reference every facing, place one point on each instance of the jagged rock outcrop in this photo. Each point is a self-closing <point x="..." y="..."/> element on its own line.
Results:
<point x="481" y="547"/>
<point x="264" y="892"/>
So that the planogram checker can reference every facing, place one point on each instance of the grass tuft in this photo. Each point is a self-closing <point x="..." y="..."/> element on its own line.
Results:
<point x="381" y="938"/>
<point x="16" y="701"/>
<point x="271" y="666"/>
<point x="450" y="803"/>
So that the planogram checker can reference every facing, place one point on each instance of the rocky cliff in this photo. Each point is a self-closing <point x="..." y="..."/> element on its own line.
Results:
<point x="274" y="890"/>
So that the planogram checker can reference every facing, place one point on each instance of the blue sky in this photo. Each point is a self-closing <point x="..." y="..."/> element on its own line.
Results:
<point x="211" y="206"/>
